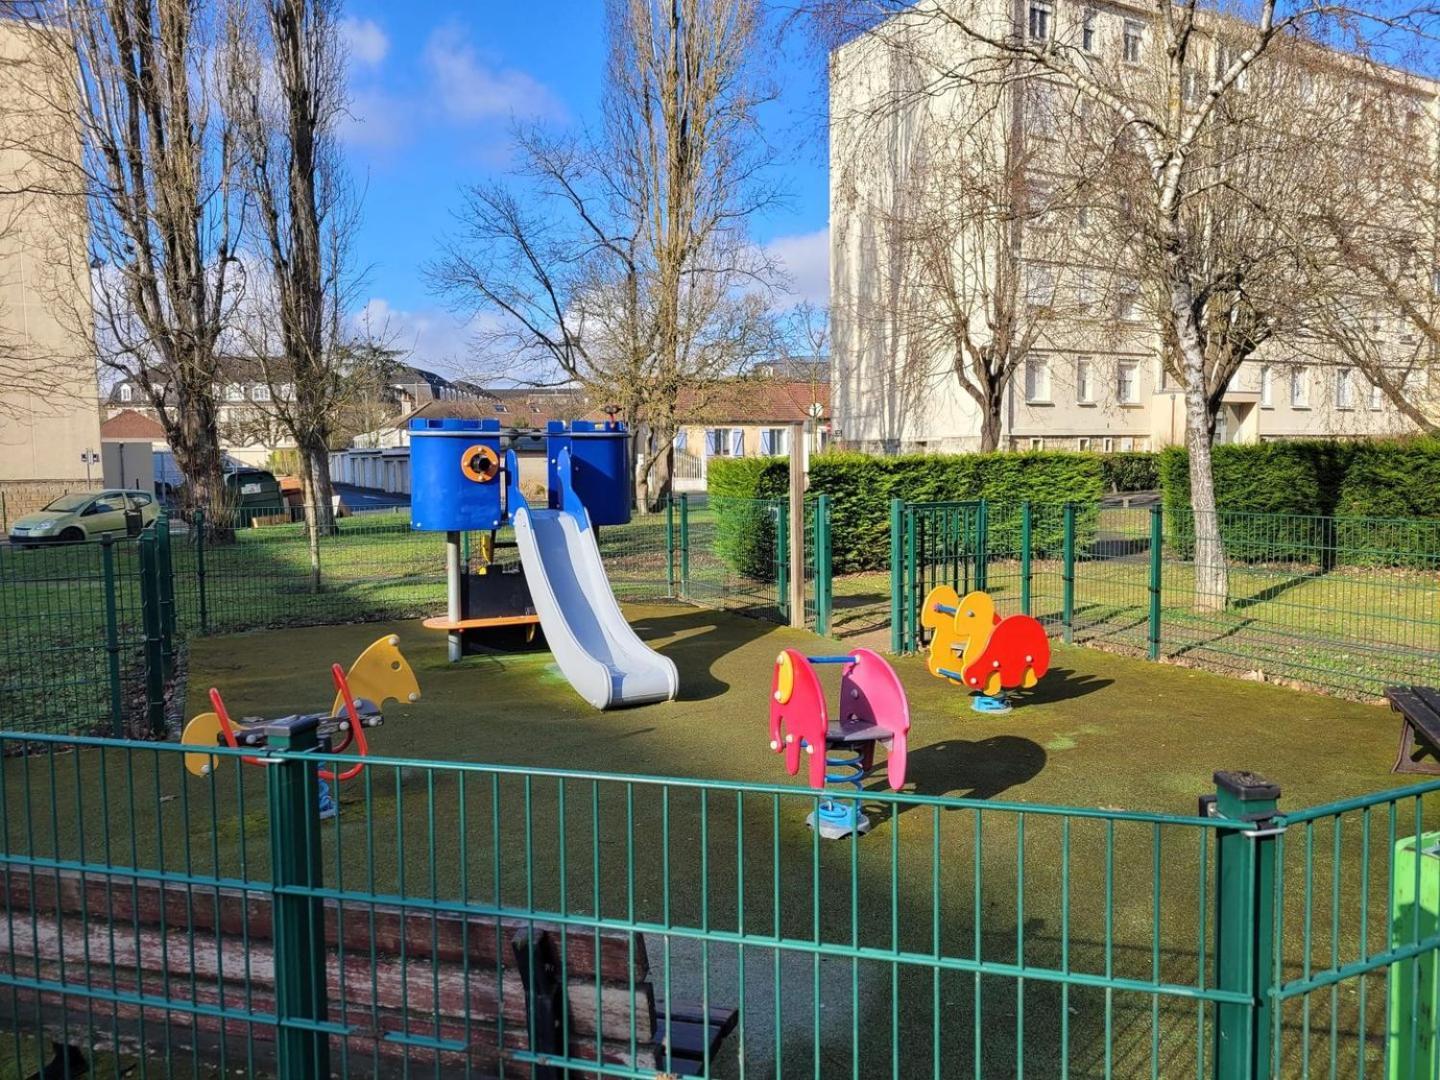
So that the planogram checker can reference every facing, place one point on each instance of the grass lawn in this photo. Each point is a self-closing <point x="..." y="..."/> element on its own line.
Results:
<point x="1023" y="892"/>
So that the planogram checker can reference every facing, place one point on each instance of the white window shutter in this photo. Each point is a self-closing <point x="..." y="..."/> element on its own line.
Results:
<point x="737" y="442"/>
<point x="767" y="442"/>
<point x="680" y="439"/>
<point x="712" y="441"/>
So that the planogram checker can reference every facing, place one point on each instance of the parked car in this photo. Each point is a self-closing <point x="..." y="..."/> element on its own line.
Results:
<point x="87" y="515"/>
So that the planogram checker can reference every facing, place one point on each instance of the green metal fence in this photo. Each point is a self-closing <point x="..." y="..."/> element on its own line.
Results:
<point x="1345" y="605"/>
<point x="481" y="921"/>
<point x="87" y="635"/>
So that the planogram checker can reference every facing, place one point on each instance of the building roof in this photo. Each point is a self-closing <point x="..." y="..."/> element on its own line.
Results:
<point x="129" y="424"/>
<point x="513" y="408"/>
<point x="755" y="401"/>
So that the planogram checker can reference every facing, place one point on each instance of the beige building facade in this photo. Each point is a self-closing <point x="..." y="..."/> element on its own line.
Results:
<point x="1093" y="376"/>
<point x="49" y="399"/>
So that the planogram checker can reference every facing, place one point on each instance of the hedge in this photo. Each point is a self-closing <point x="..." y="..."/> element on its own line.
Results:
<point x="1310" y="480"/>
<point x="1130" y="470"/>
<point x="861" y="486"/>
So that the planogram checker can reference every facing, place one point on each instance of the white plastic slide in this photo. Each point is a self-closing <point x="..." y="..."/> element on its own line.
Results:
<point x="596" y="648"/>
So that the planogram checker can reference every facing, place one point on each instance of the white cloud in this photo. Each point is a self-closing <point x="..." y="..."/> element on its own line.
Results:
<point x="806" y="258"/>
<point x="365" y="40"/>
<point x="377" y="120"/>
<point x="431" y="338"/>
<point x="469" y="88"/>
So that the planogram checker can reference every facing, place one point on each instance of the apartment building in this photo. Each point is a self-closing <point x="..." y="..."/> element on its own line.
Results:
<point x="49" y="422"/>
<point x="915" y="144"/>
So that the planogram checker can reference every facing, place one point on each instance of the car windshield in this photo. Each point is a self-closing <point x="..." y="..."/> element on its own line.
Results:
<point x="67" y="503"/>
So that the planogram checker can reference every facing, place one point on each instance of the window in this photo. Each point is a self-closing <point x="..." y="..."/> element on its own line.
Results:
<point x="1267" y="386"/>
<point x="1377" y="397"/>
<point x="1037" y="444"/>
<point x="1299" y="388"/>
<point x="1108" y="445"/>
<point x="234" y="392"/>
<point x="1344" y="388"/>
<point x="1040" y="286"/>
<point x="717" y="442"/>
<point x="126" y="392"/>
<point x="1082" y="216"/>
<point x="772" y="441"/>
<point x="1225" y="58"/>
<point x="1087" y="30"/>
<point x="1084" y="381"/>
<point x="1037" y="380"/>
<point x="1085" y="290"/>
<point x="1134" y="35"/>
<point x="1129" y="305"/>
<point x="1127" y="382"/>
<point x="501" y="407"/>
<point x="1435" y="281"/>
<point x="1127" y="444"/>
<point x="1039" y="109"/>
<point x="1082" y="443"/>
<point x="680" y="440"/>
<point x="1041" y="12"/>
<point x="286" y="391"/>
<point x="1191" y="87"/>
<point x="261" y="393"/>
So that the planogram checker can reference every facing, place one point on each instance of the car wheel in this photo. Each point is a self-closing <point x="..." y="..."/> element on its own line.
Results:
<point x="72" y="535"/>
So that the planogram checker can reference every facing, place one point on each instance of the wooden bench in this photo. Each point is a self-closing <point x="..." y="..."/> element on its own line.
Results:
<point x="154" y="964"/>
<point x="1419" y="708"/>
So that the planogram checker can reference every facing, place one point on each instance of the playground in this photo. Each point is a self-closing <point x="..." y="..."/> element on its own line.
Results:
<point x="542" y="827"/>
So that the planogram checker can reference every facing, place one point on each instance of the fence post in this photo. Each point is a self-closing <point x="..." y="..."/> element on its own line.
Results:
<point x="1068" y="555"/>
<point x="684" y="544"/>
<point x="1026" y="531"/>
<point x="982" y="545"/>
<point x="112" y="637"/>
<point x="1157" y="542"/>
<point x="670" y="545"/>
<point x="200" y="570"/>
<point x="897" y="577"/>
<point x="165" y="575"/>
<point x="782" y="557"/>
<point x="302" y="1044"/>
<point x="154" y="631"/>
<point x="823" y="568"/>
<point x="1245" y="924"/>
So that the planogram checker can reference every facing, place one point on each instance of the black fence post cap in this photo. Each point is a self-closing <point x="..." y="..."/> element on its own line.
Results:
<point x="1247" y="786"/>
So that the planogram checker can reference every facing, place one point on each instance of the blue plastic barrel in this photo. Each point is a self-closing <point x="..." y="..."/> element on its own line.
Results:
<point x="601" y="473"/>
<point x="454" y="475"/>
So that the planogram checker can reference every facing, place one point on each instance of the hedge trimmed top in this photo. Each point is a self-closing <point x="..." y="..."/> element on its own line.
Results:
<point x="861" y="486"/>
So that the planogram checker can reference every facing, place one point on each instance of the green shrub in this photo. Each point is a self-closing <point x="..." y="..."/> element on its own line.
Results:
<point x="1305" y="480"/>
<point x="1131" y="470"/>
<point x="745" y="526"/>
<point x="861" y="486"/>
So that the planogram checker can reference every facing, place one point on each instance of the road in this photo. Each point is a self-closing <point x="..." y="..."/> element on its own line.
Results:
<point x="357" y="498"/>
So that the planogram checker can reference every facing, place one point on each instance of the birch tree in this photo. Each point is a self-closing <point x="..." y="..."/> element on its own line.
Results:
<point x="1166" y="76"/>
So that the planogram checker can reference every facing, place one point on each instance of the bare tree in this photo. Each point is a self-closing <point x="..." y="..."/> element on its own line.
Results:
<point x="1167" y="81"/>
<point x="626" y="266"/>
<point x="289" y="85"/>
<point x="1374" y="265"/>
<point x="157" y="170"/>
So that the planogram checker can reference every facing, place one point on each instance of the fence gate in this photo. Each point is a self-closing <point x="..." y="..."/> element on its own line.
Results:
<point x="932" y="543"/>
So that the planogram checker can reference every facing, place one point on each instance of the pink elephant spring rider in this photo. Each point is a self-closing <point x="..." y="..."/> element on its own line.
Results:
<point x="872" y="710"/>
<point x="988" y="654"/>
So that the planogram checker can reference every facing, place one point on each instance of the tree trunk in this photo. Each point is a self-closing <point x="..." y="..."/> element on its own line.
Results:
<point x="990" y="426"/>
<point x="195" y="443"/>
<point x="324" y="488"/>
<point x="312" y="524"/>
<point x="1212" y="578"/>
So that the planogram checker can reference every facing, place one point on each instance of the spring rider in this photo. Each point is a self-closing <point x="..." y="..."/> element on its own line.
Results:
<point x="379" y="674"/>
<point x="873" y="710"/>
<point x="972" y="646"/>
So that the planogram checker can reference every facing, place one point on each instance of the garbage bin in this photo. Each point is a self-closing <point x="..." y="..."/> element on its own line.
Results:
<point x="1415" y="917"/>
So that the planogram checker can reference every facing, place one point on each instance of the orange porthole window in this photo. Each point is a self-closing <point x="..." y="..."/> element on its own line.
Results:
<point x="481" y="464"/>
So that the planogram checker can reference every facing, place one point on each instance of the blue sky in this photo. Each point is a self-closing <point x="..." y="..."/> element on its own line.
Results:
<point x="435" y="88"/>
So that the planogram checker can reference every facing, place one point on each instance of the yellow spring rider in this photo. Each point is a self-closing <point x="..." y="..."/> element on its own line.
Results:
<point x="380" y="674"/>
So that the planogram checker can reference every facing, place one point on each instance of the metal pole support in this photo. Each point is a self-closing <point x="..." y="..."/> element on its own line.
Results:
<point x="112" y="638"/>
<point x="454" y="594"/>
<point x="1244" y="923"/>
<point x="1027" y="533"/>
<point x="302" y="1043"/>
<point x="897" y="576"/>
<point x="1068" y="555"/>
<point x="1157" y="546"/>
